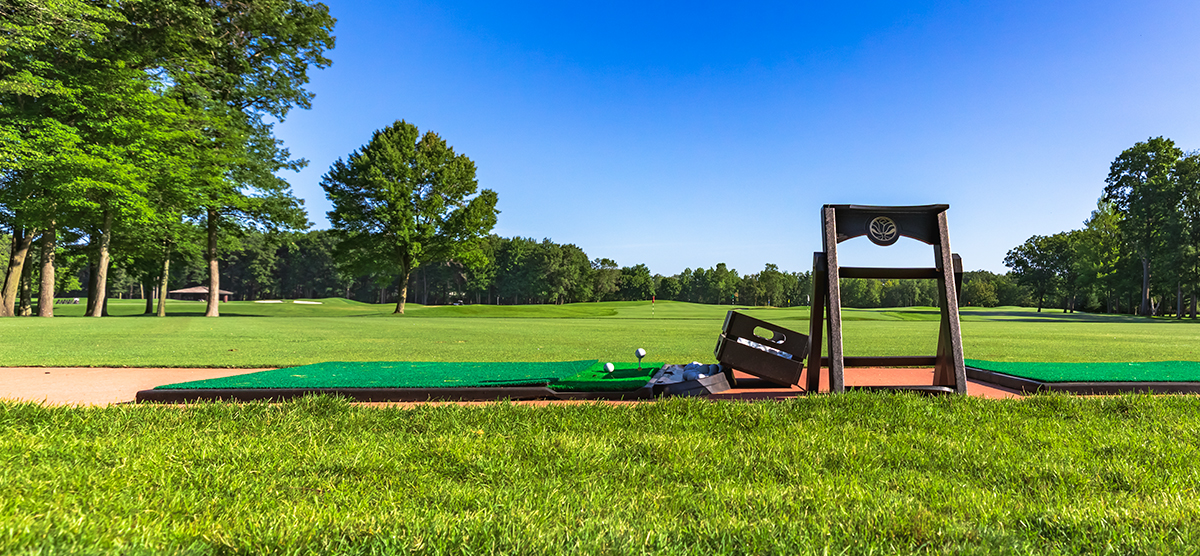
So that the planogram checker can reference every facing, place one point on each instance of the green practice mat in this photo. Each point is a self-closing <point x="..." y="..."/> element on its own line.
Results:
<point x="625" y="377"/>
<point x="1157" y="371"/>
<point x="567" y="376"/>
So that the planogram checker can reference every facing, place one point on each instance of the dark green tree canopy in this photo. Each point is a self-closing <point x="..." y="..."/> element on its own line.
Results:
<point x="1038" y="264"/>
<point x="405" y="199"/>
<point x="1145" y="188"/>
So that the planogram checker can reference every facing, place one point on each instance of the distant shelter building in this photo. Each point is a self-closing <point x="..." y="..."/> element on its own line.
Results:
<point x="197" y="293"/>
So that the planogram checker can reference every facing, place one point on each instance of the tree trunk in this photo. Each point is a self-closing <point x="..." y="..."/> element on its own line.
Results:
<point x="1040" y="298"/>
<point x="1178" y="301"/>
<point x="46" y="293"/>
<point x="162" y="284"/>
<point x="214" y="277"/>
<point x="1144" y="310"/>
<point x="98" y="309"/>
<point x="149" y="300"/>
<point x="91" y="285"/>
<point x="25" y="303"/>
<point x="21" y="241"/>
<point x="401" y="294"/>
<point x="1193" y="304"/>
<point x="424" y="286"/>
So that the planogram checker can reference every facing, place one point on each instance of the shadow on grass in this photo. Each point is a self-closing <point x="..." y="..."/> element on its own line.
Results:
<point x="1059" y="316"/>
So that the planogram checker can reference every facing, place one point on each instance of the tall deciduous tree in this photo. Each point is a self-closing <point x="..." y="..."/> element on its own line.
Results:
<point x="606" y="278"/>
<point x="1036" y="265"/>
<point x="1070" y="265"/>
<point x="979" y="293"/>
<point x="667" y="287"/>
<point x="722" y="284"/>
<point x="774" y="284"/>
<point x="636" y="283"/>
<point x="1099" y="250"/>
<point x="405" y="199"/>
<point x="1189" y="180"/>
<point x="242" y="64"/>
<point x="1142" y="184"/>
<point x="48" y="66"/>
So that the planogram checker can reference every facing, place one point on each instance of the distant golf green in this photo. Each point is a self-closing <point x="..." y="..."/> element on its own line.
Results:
<point x="255" y="335"/>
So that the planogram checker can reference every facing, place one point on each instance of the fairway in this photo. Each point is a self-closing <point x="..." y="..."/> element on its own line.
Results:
<point x="253" y="335"/>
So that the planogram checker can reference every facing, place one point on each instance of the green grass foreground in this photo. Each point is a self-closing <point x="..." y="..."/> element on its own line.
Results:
<point x="256" y="335"/>
<point x="859" y="473"/>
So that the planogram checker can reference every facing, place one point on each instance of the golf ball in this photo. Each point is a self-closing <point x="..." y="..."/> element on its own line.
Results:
<point x="640" y="353"/>
<point x="609" y="367"/>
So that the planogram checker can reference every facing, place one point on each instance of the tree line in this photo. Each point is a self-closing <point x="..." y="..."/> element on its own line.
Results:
<point x="290" y="265"/>
<point x="125" y="126"/>
<point x="1138" y="252"/>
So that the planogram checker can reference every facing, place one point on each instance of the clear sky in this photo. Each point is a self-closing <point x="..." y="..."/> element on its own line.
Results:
<point x="692" y="133"/>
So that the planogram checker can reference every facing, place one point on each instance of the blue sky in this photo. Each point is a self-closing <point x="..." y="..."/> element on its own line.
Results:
<point x="687" y="134"/>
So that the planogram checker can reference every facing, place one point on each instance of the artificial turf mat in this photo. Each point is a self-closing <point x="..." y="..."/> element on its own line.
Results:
<point x="1157" y="371"/>
<point x="625" y="377"/>
<point x="567" y="376"/>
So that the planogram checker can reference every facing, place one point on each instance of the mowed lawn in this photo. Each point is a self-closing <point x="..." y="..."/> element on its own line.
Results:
<point x="271" y="335"/>
<point x="852" y="474"/>
<point x="860" y="473"/>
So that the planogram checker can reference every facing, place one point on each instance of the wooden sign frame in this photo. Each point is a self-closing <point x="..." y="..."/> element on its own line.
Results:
<point x="884" y="226"/>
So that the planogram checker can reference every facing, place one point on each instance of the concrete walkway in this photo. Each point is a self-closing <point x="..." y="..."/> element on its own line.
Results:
<point x="93" y="385"/>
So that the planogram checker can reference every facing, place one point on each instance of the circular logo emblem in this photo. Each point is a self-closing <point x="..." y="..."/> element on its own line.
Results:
<point x="882" y="231"/>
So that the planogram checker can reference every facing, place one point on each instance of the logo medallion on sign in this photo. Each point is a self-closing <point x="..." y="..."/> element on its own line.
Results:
<point x="882" y="231"/>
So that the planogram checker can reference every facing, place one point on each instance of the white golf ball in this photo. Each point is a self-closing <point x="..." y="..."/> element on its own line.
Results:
<point x="640" y="353"/>
<point x="609" y="367"/>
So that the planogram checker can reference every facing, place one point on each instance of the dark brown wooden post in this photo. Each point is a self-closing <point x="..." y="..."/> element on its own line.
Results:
<point x="834" y="300"/>
<point x="950" y="369"/>
<point x="816" y="321"/>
